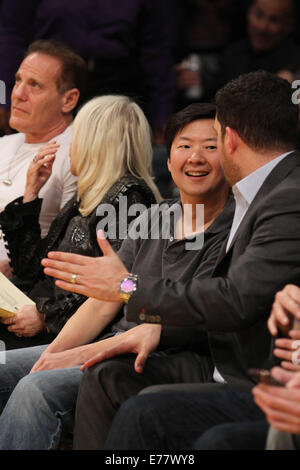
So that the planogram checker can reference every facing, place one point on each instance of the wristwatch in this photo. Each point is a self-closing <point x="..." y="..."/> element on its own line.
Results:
<point x="128" y="286"/>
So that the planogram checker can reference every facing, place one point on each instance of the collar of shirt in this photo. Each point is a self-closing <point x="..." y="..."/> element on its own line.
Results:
<point x="246" y="189"/>
<point x="221" y="222"/>
<point x="249" y="186"/>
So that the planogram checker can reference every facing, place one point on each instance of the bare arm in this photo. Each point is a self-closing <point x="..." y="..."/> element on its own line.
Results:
<point x="140" y="340"/>
<point x="89" y="320"/>
<point x="69" y="348"/>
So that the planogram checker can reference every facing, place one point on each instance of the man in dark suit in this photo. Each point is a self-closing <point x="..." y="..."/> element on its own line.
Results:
<point x="257" y="126"/>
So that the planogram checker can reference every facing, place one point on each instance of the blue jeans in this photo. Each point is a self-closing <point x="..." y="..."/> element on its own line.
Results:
<point x="36" y="407"/>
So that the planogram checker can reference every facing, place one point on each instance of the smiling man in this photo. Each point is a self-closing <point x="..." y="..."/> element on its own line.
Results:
<point x="45" y="93"/>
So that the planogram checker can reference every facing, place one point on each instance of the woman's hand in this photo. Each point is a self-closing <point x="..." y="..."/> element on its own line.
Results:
<point x="39" y="170"/>
<point x="59" y="360"/>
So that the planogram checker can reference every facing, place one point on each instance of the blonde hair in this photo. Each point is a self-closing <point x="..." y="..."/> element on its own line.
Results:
<point x="111" y="137"/>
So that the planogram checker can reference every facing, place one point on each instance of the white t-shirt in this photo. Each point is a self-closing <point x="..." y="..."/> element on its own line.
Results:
<point x="15" y="157"/>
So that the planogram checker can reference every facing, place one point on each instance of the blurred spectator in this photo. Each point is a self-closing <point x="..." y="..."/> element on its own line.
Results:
<point x="267" y="43"/>
<point x="213" y="23"/>
<point x="127" y="46"/>
<point x="210" y="27"/>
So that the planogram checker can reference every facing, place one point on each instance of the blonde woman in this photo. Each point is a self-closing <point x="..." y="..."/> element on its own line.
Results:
<point x="111" y="156"/>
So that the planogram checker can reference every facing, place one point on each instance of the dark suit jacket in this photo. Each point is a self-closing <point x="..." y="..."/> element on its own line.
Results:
<point x="234" y="305"/>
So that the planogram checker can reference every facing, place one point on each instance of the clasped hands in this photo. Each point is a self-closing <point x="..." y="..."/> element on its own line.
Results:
<point x="281" y="405"/>
<point x="285" y="315"/>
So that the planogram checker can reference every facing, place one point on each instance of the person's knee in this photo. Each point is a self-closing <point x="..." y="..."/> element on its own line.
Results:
<point x="132" y="409"/>
<point x="27" y="394"/>
<point x="233" y="436"/>
<point x="216" y="438"/>
<point x="97" y="374"/>
<point x="130" y="425"/>
<point x="107" y="375"/>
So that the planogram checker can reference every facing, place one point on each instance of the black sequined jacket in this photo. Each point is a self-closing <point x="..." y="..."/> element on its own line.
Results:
<point x="69" y="232"/>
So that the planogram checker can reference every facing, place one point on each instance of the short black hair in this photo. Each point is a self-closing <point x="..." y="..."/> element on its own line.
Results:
<point x="182" y="118"/>
<point x="259" y="107"/>
<point x="74" y="71"/>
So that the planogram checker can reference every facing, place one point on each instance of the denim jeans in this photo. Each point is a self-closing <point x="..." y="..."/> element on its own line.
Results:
<point x="38" y="406"/>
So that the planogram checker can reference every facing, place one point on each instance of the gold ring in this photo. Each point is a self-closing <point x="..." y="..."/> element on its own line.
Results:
<point x="73" y="279"/>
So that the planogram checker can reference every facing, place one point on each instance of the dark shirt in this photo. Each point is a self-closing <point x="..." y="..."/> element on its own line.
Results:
<point x="127" y="43"/>
<point x="171" y="259"/>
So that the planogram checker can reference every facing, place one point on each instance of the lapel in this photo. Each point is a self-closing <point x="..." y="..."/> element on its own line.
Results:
<point x="278" y="174"/>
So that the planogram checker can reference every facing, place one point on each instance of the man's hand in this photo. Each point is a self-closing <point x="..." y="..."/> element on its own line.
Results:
<point x="39" y="170"/>
<point x="281" y="404"/>
<point x="289" y="351"/>
<point x="26" y="322"/>
<point x="285" y="307"/>
<point x="140" y="340"/>
<point x="5" y="268"/>
<point x="59" y="360"/>
<point x="93" y="277"/>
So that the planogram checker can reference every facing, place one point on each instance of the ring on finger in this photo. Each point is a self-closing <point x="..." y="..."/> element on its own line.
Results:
<point x="34" y="159"/>
<point x="73" y="278"/>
